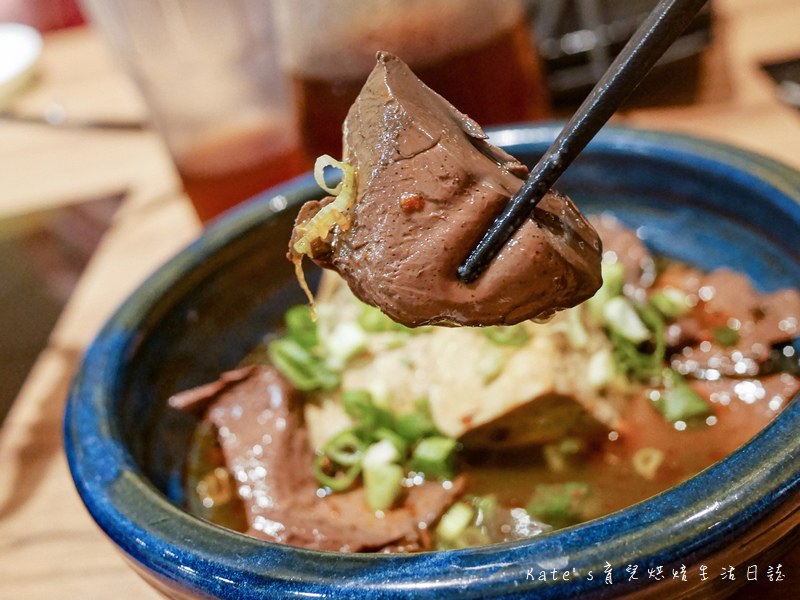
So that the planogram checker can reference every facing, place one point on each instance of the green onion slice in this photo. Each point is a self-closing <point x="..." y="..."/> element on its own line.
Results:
<point x="381" y="452"/>
<point x="301" y="326"/>
<point x="363" y="410"/>
<point x="345" y="448"/>
<point x="634" y="360"/>
<point x="511" y="335"/>
<point x="372" y="320"/>
<point x="491" y="364"/>
<point x="382" y="485"/>
<point x="622" y="317"/>
<point x="560" y="504"/>
<point x="301" y="367"/>
<point x="646" y="461"/>
<point x="457" y="518"/>
<point x="613" y="282"/>
<point x="383" y="433"/>
<point x="412" y="427"/>
<point x="336" y="483"/>
<point x="670" y="302"/>
<point x="678" y="401"/>
<point x="433" y="456"/>
<point x="725" y="336"/>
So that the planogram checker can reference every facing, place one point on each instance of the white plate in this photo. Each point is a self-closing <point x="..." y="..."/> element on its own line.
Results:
<point x="20" y="46"/>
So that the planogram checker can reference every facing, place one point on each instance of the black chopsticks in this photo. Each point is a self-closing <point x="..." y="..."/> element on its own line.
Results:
<point x="648" y="44"/>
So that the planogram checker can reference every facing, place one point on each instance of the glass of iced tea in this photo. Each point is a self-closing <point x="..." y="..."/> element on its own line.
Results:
<point x="476" y="53"/>
<point x="209" y="72"/>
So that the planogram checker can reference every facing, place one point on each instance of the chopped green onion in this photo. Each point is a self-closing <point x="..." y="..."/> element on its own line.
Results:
<point x="557" y="455"/>
<point x="613" y="281"/>
<point x="571" y="445"/>
<point x="433" y="456"/>
<point x="485" y="507"/>
<point x="678" y="401"/>
<point x="631" y="362"/>
<point x="423" y="406"/>
<point x="621" y="316"/>
<point x="655" y="323"/>
<point x="345" y="341"/>
<point x="345" y="448"/>
<point x="613" y="276"/>
<point x="381" y="452"/>
<point x="490" y="364"/>
<point x="359" y="405"/>
<point x="560" y="504"/>
<point x="511" y="335"/>
<point x="382" y="433"/>
<point x="646" y="461"/>
<point x="301" y="367"/>
<point x="555" y="460"/>
<point x="372" y="320"/>
<point x="647" y="363"/>
<point x="576" y="332"/>
<point x="414" y="426"/>
<point x="670" y="302"/>
<point x="725" y="336"/>
<point x="471" y="537"/>
<point x="380" y="393"/>
<point x="336" y="483"/>
<point x="382" y="484"/>
<point x="397" y="340"/>
<point x="301" y="327"/>
<point x="457" y="518"/>
<point x="600" y="369"/>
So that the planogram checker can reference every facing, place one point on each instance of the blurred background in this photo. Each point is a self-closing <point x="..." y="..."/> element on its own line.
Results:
<point x="245" y="94"/>
<point x="126" y="125"/>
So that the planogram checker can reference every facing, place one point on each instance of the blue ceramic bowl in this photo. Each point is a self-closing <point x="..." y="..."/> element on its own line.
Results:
<point x="697" y="201"/>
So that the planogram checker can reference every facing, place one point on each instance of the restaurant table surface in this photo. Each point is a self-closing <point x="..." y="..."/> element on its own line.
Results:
<point x="49" y="546"/>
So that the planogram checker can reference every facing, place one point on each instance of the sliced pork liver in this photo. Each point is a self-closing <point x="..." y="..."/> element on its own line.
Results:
<point x="258" y="415"/>
<point x="429" y="185"/>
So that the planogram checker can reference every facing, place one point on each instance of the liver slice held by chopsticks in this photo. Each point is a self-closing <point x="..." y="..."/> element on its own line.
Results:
<point x="427" y="186"/>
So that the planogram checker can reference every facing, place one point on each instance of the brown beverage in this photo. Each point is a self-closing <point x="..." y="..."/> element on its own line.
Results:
<point x="496" y="81"/>
<point x="229" y="168"/>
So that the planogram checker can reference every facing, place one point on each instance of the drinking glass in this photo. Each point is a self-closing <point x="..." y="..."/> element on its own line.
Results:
<point x="210" y="74"/>
<point x="478" y="54"/>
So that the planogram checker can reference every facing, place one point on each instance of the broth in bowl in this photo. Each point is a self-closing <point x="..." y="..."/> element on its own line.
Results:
<point x="355" y="433"/>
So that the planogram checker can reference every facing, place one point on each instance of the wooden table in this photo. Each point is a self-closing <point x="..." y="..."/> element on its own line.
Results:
<point x="49" y="546"/>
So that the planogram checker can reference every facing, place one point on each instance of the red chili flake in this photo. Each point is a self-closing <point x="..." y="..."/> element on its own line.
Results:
<point x="467" y="419"/>
<point x="411" y="202"/>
